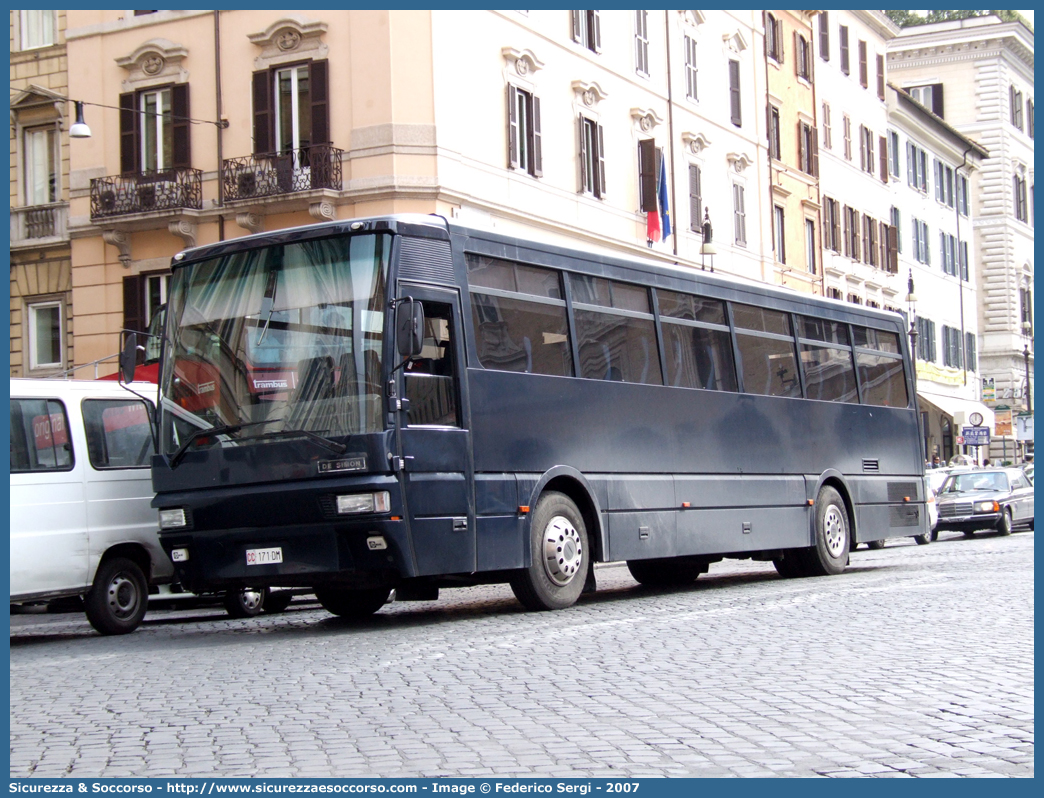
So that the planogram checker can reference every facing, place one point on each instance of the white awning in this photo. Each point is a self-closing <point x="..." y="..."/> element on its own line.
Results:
<point x="959" y="409"/>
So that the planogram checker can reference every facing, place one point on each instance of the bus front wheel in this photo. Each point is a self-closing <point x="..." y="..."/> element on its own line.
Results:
<point x="558" y="540"/>
<point x="352" y="603"/>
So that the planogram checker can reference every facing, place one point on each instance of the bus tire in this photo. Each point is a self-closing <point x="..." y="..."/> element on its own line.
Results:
<point x="833" y="536"/>
<point x="354" y="604"/>
<point x="245" y="602"/>
<point x="668" y="572"/>
<point x="277" y="601"/>
<point x="790" y="565"/>
<point x="558" y="540"/>
<point x="117" y="600"/>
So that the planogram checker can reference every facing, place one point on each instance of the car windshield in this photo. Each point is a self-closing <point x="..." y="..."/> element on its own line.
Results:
<point x="980" y="480"/>
<point x="282" y="338"/>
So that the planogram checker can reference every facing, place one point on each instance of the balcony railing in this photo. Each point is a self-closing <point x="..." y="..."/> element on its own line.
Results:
<point x="39" y="223"/>
<point x="142" y="192"/>
<point x="273" y="173"/>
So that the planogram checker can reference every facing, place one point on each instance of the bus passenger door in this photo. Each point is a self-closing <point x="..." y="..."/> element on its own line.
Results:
<point x="436" y="446"/>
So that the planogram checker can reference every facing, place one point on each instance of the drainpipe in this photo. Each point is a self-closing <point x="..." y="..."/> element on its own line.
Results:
<point x="960" y="277"/>
<point x="670" y="126"/>
<point x="220" y="149"/>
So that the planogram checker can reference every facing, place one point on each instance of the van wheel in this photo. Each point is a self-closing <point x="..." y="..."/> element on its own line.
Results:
<point x="277" y="601"/>
<point x="558" y="541"/>
<point x="833" y="539"/>
<point x="354" y="604"/>
<point x="117" y="600"/>
<point x="246" y="602"/>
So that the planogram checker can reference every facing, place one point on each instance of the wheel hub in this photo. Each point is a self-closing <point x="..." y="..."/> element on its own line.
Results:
<point x="251" y="598"/>
<point x="123" y="596"/>
<point x="563" y="552"/>
<point x="834" y="527"/>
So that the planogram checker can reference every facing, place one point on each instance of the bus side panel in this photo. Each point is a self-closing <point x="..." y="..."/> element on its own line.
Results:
<point x="500" y="542"/>
<point x="726" y="530"/>
<point x="887" y="507"/>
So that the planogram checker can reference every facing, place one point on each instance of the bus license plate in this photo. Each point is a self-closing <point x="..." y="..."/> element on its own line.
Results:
<point x="264" y="556"/>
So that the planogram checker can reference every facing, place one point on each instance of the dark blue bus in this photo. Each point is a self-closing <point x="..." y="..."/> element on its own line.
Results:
<point x="399" y="403"/>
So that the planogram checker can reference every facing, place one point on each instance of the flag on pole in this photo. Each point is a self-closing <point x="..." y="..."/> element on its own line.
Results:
<point x="661" y="196"/>
<point x="652" y="226"/>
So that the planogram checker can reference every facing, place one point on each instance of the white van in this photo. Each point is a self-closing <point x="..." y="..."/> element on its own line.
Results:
<point x="82" y="523"/>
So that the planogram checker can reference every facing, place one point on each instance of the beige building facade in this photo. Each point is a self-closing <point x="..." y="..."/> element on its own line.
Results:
<point x="793" y="151"/>
<point x="41" y="308"/>
<point x="212" y="125"/>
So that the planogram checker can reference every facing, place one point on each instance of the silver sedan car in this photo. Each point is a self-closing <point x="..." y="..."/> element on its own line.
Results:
<point x="988" y="498"/>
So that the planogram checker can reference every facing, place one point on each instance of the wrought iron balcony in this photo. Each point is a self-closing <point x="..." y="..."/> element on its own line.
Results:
<point x="273" y="173"/>
<point x="170" y="189"/>
<point x="39" y="224"/>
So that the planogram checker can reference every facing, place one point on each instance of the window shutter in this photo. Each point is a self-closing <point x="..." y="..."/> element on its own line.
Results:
<point x="863" y="77"/>
<point x="937" y="99"/>
<point x="797" y="55"/>
<point x="695" y="199"/>
<point x="133" y="304"/>
<point x="910" y="179"/>
<point x="129" y="154"/>
<point x="882" y="147"/>
<point x="779" y="38"/>
<point x="262" y="112"/>
<point x="848" y="234"/>
<point x="538" y="160"/>
<point x="880" y="77"/>
<point x="181" y="127"/>
<point x="815" y="152"/>
<point x="512" y="101"/>
<point x="824" y="35"/>
<point x="596" y="24"/>
<point x="734" y="93"/>
<point x="600" y="177"/>
<point x="802" y="154"/>
<point x="964" y="261"/>
<point x="576" y="24"/>
<point x="845" y="64"/>
<point x="319" y="74"/>
<point x="647" y="174"/>
<point x="893" y="249"/>
<point x="583" y="154"/>
<point x="837" y="226"/>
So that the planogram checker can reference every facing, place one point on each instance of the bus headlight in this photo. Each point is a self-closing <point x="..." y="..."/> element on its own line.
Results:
<point x="172" y="519"/>
<point x="379" y="502"/>
<point x="987" y="507"/>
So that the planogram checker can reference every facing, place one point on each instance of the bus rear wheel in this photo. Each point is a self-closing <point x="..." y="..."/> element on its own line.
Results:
<point x="672" y="572"/>
<point x="354" y="604"/>
<point x="833" y="536"/>
<point x="558" y="542"/>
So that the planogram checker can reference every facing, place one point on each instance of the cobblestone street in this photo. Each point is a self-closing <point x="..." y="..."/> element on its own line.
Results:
<point x="918" y="661"/>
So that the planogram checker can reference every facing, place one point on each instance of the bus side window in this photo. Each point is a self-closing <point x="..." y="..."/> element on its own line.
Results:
<point x="430" y="384"/>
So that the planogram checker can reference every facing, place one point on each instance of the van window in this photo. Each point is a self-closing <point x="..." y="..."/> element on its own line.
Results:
<point x="118" y="433"/>
<point x="40" y="436"/>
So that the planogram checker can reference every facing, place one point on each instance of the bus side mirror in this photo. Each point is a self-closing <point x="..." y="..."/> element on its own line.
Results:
<point x="129" y="357"/>
<point x="409" y="327"/>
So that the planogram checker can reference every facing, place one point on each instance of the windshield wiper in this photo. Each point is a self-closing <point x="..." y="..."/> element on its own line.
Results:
<point x="326" y="443"/>
<point x="220" y="429"/>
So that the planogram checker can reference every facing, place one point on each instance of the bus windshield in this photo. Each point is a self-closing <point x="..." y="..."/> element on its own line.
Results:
<point x="281" y="339"/>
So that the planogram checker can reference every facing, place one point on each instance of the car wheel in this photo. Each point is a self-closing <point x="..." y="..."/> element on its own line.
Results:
<point x="1004" y="525"/>
<point x="923" y="540"/>
<point x="875" y="544"/>
<point x="558" y="539"/>
<point x="117" y="600"/>
<point x="354" y="604"/>
<point x="246" y="602"/>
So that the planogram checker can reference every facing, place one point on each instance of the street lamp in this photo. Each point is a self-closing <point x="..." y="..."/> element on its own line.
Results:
<point x="707" y="248"/>
<point x="1027" y="330"/>
<point x="911" y="310"/>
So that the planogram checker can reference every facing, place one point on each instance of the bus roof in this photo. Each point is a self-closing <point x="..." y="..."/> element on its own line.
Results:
<point x="627" y="267"/>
